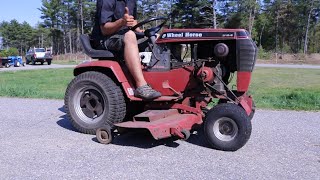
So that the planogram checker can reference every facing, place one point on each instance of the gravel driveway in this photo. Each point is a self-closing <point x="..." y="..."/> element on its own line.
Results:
<point x="56" y="66"/>
<point x="37" y="66"/>
<point x="38" y="142"/>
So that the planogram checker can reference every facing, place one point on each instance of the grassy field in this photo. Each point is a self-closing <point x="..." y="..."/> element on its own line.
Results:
<point x="278" y="88"/>
<point x="49" y="83"/>
<point x="272" y="88"/>
<point x="67" y="62"/>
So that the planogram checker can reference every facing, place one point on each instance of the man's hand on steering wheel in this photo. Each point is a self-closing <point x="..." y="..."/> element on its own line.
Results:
<point x="153" y="30"/>
<point x="128" y="20"/>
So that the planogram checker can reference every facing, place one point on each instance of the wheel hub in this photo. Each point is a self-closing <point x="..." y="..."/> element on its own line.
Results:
<point x="225" y="129"/>
<point x="91" y="103"/>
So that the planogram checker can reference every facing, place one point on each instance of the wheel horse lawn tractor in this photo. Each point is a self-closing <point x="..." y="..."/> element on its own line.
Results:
<point x="190" y="67"/>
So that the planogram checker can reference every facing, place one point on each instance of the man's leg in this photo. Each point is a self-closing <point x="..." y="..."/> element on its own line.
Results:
<point x="132" y="59"/>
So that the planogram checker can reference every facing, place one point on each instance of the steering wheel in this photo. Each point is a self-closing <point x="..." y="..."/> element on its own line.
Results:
<point x="151" y="31"/>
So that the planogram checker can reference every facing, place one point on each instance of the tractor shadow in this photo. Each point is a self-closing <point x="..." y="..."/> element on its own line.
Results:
<point x="64" y="122"/>
<point x="139" y="138"/>
<point x="143" y="139"/>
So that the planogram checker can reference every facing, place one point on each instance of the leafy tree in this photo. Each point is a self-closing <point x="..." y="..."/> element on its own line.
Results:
<point x="191" y="14"/>
<point x="9" y="52"/>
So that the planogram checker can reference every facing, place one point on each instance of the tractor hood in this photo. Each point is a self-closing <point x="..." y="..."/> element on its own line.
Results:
<point x="183" y="35"/>
<point x="245" y="49"/>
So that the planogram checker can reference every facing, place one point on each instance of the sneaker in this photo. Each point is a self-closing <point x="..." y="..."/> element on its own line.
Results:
<point x="146" y="92"/>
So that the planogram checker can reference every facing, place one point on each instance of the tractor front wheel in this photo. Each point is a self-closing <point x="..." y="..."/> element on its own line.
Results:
<point x="92" y="101"/>
<point x="227" y="127"/>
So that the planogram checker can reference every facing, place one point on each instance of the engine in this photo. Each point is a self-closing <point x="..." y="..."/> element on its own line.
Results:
<point x="215" y="54"/>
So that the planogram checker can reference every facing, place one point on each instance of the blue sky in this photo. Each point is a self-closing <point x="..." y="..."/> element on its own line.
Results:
<point x="21" y="10"/>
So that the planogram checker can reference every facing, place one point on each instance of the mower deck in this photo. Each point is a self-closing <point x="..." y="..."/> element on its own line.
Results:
<point x="163" y="123"/>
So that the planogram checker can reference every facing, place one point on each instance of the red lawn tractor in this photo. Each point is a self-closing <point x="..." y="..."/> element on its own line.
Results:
<point x="190" y="67"/>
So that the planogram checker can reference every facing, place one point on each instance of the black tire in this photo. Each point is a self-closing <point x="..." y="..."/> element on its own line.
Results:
<point x="186" y="134"/>
<point x="49" y="62"/>
<point x="7" y="65"/>
<point x="253" y="110"/>
<point x="104" y="135"/>
<point x="93" y="100"/>
<point x="227" y="127"/>
<point x="42" y="62"/>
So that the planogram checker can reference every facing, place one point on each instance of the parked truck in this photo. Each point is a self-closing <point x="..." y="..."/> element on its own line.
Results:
<point x="41" y="55"/>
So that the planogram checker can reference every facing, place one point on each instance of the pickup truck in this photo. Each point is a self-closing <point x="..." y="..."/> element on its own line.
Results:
<point x="38" y="55"/>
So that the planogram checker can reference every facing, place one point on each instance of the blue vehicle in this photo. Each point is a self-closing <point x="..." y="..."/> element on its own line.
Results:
<point x="15" y="61"/>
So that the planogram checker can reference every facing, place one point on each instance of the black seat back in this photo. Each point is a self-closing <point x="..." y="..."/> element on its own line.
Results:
<point x="93" y="53"/>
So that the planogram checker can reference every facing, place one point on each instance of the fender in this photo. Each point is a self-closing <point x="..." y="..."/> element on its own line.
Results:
<point x="104" y="66"/>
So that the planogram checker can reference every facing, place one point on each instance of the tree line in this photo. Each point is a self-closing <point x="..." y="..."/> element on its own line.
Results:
<point x="283" y="26"/>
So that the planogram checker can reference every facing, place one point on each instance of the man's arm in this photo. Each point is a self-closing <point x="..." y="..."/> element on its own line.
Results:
<point x="112" y="27"/>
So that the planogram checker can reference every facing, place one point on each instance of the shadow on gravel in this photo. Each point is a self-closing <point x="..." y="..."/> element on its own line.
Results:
<point x="139" y="138"/>
<point x="143" y="139"/>
<point x="64" y="122"/>
<point x="198" y="138"/>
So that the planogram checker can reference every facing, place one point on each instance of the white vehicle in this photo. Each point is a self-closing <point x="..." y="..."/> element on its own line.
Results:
<point x="38" y="55"/>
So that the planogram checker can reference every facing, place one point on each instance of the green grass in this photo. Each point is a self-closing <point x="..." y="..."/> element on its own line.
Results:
<point x="66" y="62"/>
<point x="49" y="83"/>
<point x="278" y="88"/>
<point x="272" y="88"/>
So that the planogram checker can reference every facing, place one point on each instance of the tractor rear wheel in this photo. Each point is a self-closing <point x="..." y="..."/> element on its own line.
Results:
<point x="227" y="127"/>
<point x="92" y="101"/>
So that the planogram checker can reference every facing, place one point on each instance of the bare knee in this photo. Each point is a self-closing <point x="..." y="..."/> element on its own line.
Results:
<point x="130" y="38"/>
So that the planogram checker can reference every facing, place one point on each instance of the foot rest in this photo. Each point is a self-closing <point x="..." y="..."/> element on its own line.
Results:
<point x="162" y="98"/>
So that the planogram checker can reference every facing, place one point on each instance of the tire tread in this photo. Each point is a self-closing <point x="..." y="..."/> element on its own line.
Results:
<point x="116" y="101"/>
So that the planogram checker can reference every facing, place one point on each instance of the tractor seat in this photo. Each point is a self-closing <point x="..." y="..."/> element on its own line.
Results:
<point x="94" y="53"/>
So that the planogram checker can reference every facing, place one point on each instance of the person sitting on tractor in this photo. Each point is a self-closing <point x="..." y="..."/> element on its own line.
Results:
<point x="113" y="20"/>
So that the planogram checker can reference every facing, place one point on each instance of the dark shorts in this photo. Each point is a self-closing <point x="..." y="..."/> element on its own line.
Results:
<point x="115" y="42"/>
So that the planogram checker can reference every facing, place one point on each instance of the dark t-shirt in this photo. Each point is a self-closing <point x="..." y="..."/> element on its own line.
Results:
<point x="110" y="11"/>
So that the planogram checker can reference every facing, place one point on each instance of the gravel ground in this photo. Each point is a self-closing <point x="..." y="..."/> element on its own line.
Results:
<point x="37" y="66"/>
<point x="56" y="66"/>
<point x="38" y="142"/>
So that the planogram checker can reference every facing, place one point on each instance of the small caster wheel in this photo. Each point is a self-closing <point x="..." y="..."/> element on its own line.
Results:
<point x="186" y="134"/>
<point x="104" y="135"/>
